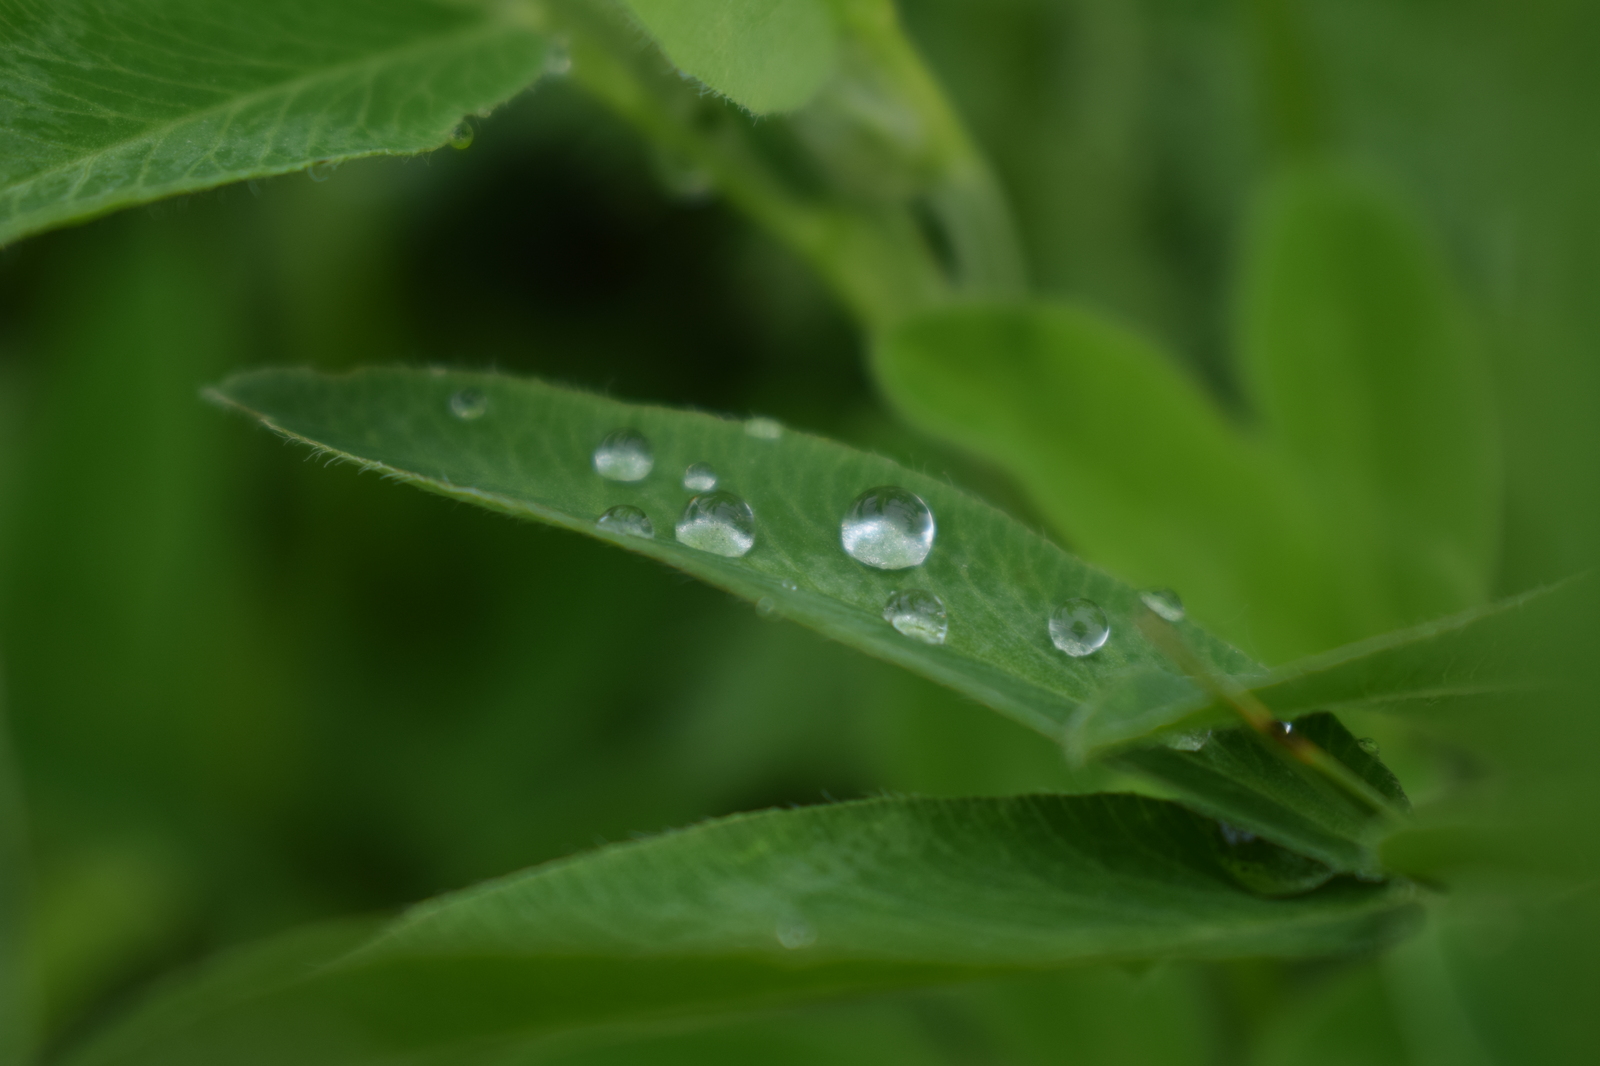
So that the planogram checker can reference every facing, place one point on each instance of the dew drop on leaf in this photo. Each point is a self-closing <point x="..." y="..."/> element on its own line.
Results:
<point x="888" y="528"/>
<point x="625" y="518"/>
<point x="1163" y="602"/>
<point x="321" y="170"/>
<point x="795" y="934"/>
<point x="766" y="607"/>
<point x="1190" y="740"/>
<point x="461" y="136"/>
<point x="1234" y="835"/>
<point x="624" y="455"/>
<point x="1368" y="745"/>
<point x="1079" y="627"/>
<point x="469" y="404"/>
<point x="918" y="614"/>
<point x="789" y="586"/>
<point x="699" y="477"/>
<point x="763" y="428"/>
<point x="718" y="522"/>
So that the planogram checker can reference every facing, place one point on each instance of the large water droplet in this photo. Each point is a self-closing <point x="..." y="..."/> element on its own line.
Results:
<point x="720" y="523"/>
<point x="887" y="527"/>
<point x="763" y="428"/>
<point x="624" y="455"/>
<point x="469" y="404"/>
<point x="918" y="614"/>
<point x="625" y="518"/>
<point x="699" y="477"/>
<point x="321" y="170"/>
<point x="1368" y="745"/>
<point x="461" y="136"/>
<point x="1190" y="740"/>
<point x="1079" y="627"/>
<point x="1163" y="602"/>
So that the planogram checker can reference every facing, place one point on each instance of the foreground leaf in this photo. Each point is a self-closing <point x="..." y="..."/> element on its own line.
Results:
<point x="755" y="911"/>
<point x="767" y="55"/>
<point x="530" y="454"/>
<point x="106" y="105"/>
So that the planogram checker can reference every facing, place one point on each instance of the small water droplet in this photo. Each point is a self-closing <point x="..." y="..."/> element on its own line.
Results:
<point x="1163" y="602"/>
<point x="789" y="585"/>
<point x="624" y="455"/>
<point x="1280" y="730"/>
<point x="918" y="614"/>
<point x="461" y="136"/>
<point x="795" y="934"/>
<point x="1079" y="627"/>
<point x="1234" y="835"/>
<point x="625" y="518"/>
<point x="763" y="428"/>
<point x="1368" y="745"/>
<point x="468" y="404"/>
<point x="888" y="528"/>
<point x="321" y="170"/>
<point x="1190" y="740"/>
<point x="766" y="607"/>
<point x="557" y="63"/>
<point x="699" y="477"/>
<point x="720" y="523"/>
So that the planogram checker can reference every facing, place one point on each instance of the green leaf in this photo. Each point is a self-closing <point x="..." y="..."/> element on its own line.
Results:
<point x="103" y="105"/>
<point x="753" y="912"/>
<point x="1131" y="461"/>
<point x="1359" y="361"/>
<point x="530" y="454"/>
<point x="766" y="55"/>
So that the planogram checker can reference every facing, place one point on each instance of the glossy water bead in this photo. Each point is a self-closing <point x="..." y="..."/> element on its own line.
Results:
<point x="1079" y="627"/>
<point x="625" y="518"/>
<point x="1163" y="602"/>
<point x="918" y="614"/>
<point x="887" y="527"/>
<point x="624" y="455"/>
<point x="468" y="404"/>
<point x="699" y="477"/>
<point x="718" y="522"/>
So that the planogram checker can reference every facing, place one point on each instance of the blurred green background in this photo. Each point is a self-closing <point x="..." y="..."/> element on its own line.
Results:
<point x="245" y="691"/>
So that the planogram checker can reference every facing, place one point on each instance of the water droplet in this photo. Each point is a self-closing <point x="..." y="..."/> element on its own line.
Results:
<point x="766" y="607"/>
<point x="625" y="518"/>
<point x="1368" y="745"/>
<point x="1280" y="730"/>
<point x="557" y="63"/>
<point x="469" y="404"/>
<point x="1234" y="835"/>
<point x="918" y="614"/>
<point x="795" y="934"/>
<point x="321" y="170"/>
<point x="789" y="585"/>
<point x="763" y="428"/>
<point x="1079" y="627"/>
<point x="887" y="527"/>
<point x="1190" y="740"/>
<point x="699" y="477"/>
<point x="461" y="136"/>
<point x="1163" y="602"/>
<point x="624" y="455"/>
<point x="720" y="523"/>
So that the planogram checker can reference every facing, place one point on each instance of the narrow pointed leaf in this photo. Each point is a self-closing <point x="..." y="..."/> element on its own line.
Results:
<point x="766" y="55"/>
<point x="530" y="453"/>
<point x="753" y="912"/>
<point x="103" y="105"/>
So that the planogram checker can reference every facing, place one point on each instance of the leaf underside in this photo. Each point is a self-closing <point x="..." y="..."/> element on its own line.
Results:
<point x="757" y="911"/>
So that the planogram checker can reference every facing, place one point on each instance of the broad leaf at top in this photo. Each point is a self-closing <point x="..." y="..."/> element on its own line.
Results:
<point x="758" y="911"/>
<point x="103" y="105"/>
